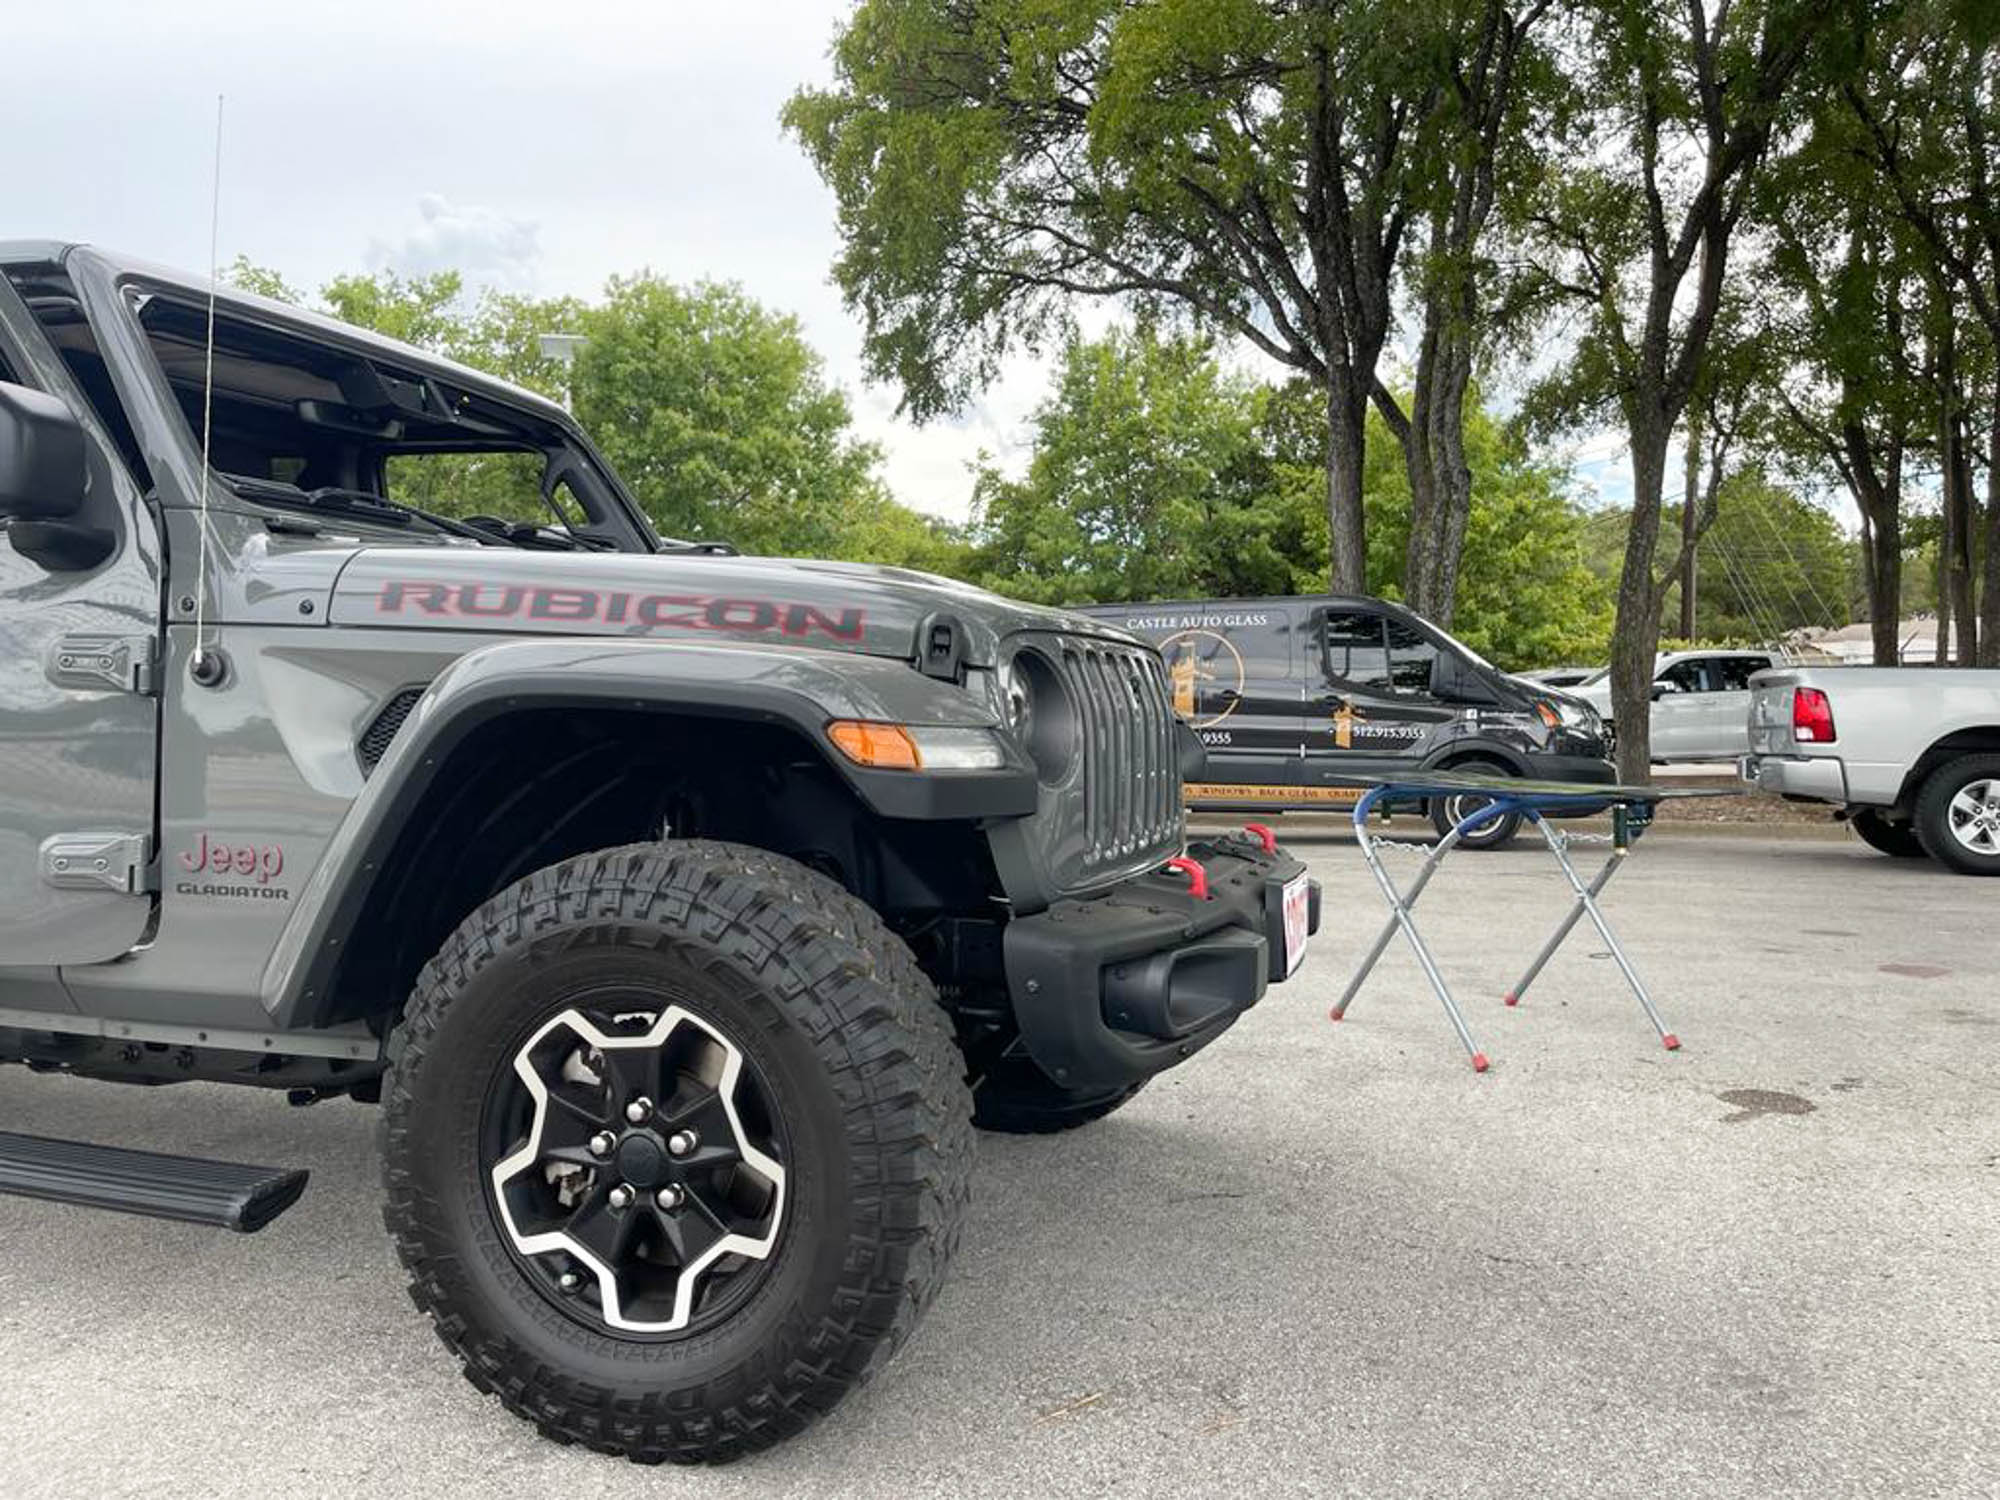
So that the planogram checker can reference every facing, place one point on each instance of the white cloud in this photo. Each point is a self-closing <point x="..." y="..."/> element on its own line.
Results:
<point x="487" y="246"/>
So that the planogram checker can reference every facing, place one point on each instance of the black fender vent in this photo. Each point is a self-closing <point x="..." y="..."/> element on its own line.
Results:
<point x="376" y="737"/>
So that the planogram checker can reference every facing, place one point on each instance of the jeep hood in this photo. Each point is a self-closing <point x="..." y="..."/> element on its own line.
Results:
<point x="834" y="606"/>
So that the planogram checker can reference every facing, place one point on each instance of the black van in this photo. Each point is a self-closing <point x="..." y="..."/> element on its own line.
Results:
<point x="1289" y="693"/>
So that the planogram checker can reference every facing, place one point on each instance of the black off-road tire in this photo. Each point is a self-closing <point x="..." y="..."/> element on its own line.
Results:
<point x="1014" y="1097"/>
<point x="863" y="1073"/>
<point x="1877" y="832"/>
<point x="1934" y="816"/>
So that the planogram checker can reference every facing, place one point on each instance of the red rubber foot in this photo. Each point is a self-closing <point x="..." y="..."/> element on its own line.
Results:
<point x="1673" y="1043"/>
<point x="1510" y="998"/>
<point x="1334" y="1015"/>
<point x="1479" y="1062"/>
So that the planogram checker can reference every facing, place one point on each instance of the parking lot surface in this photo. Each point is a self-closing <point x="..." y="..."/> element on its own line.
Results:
<point x="1317" y="1260"/>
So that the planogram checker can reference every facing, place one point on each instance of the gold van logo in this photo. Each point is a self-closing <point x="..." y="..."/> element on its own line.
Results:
<point x="1205" y="671"/>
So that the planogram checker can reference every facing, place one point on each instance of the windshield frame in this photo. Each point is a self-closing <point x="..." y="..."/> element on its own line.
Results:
<point x="596" y="483"/>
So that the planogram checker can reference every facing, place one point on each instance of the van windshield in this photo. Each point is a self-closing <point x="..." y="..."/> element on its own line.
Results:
<point x="1460" y="647"/>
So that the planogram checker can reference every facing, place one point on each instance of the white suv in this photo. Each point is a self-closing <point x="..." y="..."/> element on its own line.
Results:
<point x="1701" y="702"/>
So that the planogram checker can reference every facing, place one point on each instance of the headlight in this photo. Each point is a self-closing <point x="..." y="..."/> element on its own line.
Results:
<point x="1570" y="713"/>
<point x="1040" y="714"/>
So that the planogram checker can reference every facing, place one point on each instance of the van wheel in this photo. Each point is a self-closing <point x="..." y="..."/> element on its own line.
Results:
<point x="676" y="1146"/>
<point x="1448" y="812"/>
<point x="1958" y="814"/>
<point x="1877" y="832"/>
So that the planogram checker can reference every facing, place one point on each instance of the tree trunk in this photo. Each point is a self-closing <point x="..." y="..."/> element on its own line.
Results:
<point x="1433" y="442"/>
<point x="1690" y="485"/>
<point x="1958" y="499"/>
<point x="1989" y="583"/>
<point x="1451" y="473"/>
<point x="1345" y="435"/>
<point x="1635" y="630"/>
<point x="1878" y="495"/>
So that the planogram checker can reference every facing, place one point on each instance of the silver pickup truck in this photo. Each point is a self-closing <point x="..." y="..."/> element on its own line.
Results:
<point x="1910" y="754"/>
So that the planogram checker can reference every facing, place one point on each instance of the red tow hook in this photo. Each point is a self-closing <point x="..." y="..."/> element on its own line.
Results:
<point x="1197" y="876"/>
<point x="1263" y="836"/>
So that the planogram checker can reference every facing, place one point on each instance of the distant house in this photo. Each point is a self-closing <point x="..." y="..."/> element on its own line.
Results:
<point x="1854" y="645"/>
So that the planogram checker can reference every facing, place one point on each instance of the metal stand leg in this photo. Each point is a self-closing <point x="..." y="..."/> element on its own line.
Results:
<point x="1586" y="905"/>
<point x="1400" y="903"/>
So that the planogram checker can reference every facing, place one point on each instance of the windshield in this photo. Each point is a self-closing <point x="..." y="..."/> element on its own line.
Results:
<point x="308" y="423"/>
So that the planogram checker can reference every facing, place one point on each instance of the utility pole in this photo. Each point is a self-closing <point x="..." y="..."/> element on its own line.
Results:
<point x="562" y="348"/>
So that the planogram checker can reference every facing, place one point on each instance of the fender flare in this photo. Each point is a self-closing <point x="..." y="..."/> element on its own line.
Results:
<point x="797" y="690"/>
<point x="1478" y="749"/>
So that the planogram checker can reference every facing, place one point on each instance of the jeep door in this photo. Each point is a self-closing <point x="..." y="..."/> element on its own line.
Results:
<point x="1233" y="674"/>
<point x="1370" y="710"/>
<point x="79" y="628"/>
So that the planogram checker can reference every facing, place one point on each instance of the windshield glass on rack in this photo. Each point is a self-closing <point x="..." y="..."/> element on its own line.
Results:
<point x="313" y="424"/>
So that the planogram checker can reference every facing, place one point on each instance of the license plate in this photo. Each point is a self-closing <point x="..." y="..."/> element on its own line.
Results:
<point x="1298" y="917"/>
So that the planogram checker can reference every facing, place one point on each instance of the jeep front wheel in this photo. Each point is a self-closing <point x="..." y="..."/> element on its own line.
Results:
<point x="676" y="1148"/>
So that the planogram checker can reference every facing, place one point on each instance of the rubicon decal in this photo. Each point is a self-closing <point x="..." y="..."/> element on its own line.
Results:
<point x="488" y="601"/>
<point x="257" y="865"/>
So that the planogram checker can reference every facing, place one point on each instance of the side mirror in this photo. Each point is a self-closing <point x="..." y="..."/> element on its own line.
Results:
<point x="44" y="477"/>
<point x="43" y="465"/>
<point x="1659" y="691"/>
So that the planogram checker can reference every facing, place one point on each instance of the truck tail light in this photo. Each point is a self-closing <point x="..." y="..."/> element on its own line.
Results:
<point x="1812" y="717"/>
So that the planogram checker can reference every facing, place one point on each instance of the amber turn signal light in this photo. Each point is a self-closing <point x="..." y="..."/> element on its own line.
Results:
<point x="886" y="747"/>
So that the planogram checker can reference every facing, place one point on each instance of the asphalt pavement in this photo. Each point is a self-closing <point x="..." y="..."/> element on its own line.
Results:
<point x="1317" y="1260"/>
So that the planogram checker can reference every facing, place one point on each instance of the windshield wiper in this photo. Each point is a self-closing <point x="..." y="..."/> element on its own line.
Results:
<point x="359" y="504"/>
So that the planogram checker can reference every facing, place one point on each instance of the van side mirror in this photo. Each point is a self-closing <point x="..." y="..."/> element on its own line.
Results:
<point x="43" y="466"/>
<point x="44" y="478"/>
<point x="1659" y="691"/>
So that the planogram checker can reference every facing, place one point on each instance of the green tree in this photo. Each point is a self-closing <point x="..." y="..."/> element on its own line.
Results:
<point x="1254" y="165"/>
<point x="1640" y="217"/>
<point x="1526" y="596"/>
<point x="719" y="416"/>
<point x="714" y="409"/>
<point x="1158" y="474"/>
<point x="1147" y="482"/>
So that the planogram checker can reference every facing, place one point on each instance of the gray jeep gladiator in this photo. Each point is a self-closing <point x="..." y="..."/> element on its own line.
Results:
<point x="683" y="911"/>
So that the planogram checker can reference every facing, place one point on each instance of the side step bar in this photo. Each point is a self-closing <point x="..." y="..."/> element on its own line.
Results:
<point x="218" y="1193"/>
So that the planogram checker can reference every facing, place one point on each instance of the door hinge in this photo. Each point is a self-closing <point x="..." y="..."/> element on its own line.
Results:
<point x="129" y="663"/>
<point x="120" y="862"/>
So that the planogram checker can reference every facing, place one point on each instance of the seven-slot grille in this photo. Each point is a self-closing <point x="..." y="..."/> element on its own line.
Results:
<point x="1131" y="779"/>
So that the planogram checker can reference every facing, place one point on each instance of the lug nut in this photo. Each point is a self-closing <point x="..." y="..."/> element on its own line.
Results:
<point x="569" y="1281"/>
<point x="670" y="1197"/>
<point x="681" y="1142"/>
<point x="639" y="1110"/>
<point x="621" y="1196"/>
<point x="602" y="1142"/>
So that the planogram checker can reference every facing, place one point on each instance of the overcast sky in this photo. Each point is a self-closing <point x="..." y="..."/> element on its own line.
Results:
<point x="538" y="147"/>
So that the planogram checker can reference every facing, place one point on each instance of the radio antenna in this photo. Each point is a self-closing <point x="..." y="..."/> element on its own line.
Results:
<point x="200" y="664"/>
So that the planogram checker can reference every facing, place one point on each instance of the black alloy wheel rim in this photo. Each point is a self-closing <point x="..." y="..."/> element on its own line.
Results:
<point x="644" y="1191"/>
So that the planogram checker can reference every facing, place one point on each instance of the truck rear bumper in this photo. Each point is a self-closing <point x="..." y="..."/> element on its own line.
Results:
<point x="1816" y="779"/>
<point x="1113" y="989"/>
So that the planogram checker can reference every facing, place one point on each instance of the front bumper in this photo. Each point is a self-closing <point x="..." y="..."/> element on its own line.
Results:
<point x="1819" y="778"/>
<point x="1113" y="989"/>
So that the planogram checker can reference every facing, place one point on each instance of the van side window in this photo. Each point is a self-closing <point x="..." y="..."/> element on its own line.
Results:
<point x="1354" y="648"/>
<point x="1411" y="657"/>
